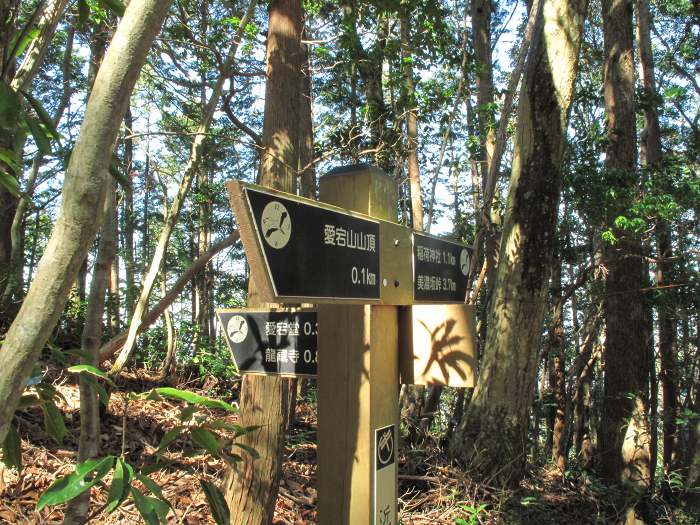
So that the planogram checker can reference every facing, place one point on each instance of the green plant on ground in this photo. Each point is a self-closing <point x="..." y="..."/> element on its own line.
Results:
<point x="472" y="514"/>
<point x="202" y="429"/>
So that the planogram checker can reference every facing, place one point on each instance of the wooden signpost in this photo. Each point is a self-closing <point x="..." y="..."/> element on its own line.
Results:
<point x="379" y="286"/>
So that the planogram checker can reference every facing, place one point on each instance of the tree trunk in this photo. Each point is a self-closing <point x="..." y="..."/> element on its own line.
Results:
<point x="34" y="56"/>
<point x="503" y="394"/>
<point x="623" y="433"/>
<point x="190" y="171"/>
<point x="558" y="372"/>
<point x="129" y="219"/>
<point x="651" y="156"/>
<point x="307" y="171"/>
<point x="84" y="192"/>
<point x="411" y="122"/>
<point x="89" y="445"/>
<point x="115" y="344"/>
<point x="369" y="67"/>
<point x="481" y="37"/>
<point x="251" y="486"/>
<point x="168" y="365"/>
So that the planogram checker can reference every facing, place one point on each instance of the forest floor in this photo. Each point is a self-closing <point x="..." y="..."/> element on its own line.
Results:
<point x="431" y="490"/>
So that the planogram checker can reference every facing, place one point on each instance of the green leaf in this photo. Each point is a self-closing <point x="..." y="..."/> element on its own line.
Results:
<point x="187" y="413"/>
<point x="89" y="369"/>
<point x="155" y="467"/>
<point x="83" y="12"/>
<point x="101" y="392"/>
<point x="40" y="137"/>
<point x="9" y="107"/>
<point x="8" y="157"/>
<point x="250" y="450"/>
<point x="12" y="449"/>
<point x="26" y="40"/>
<point x="53" y="422"/>
<point x="114" y="5"/>
<point x="184" y="395"/>
<point x="121" y="483"/>
<point x="78" y="353"/>
<point x="217" y="502"/>
<point x="43" y="116"/>
<point x="67" y="488"/>
<point x="152" y="486"/>
<point x="10" y="183"/>
<point x="205" y="439"/>
<point x="239" y="430"/>
<point x="116" y="173"/>
<point x="152" y="510"/>
<point x="168" y="438"/>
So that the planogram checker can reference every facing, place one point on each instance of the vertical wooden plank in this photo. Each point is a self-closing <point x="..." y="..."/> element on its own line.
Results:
<point x="357" y="370"/>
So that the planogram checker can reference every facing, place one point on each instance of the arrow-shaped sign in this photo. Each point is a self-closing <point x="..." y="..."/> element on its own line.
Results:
<point x="304" y="251"/>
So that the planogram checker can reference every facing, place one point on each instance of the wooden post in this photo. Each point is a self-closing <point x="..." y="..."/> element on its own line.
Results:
<point x="358" y="378"/>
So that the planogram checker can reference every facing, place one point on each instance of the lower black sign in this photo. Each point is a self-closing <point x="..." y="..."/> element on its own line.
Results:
<point x="440" y="269"/>
<point x="272" y="342"/>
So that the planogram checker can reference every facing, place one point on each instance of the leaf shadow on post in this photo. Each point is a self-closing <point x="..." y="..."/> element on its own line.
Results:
<point x="444" y="352"/>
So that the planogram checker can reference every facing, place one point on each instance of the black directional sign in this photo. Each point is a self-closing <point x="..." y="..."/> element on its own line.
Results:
<point x="314" y="252"/>
<point x="440" y="269"/>
<point x="267" y="342"/>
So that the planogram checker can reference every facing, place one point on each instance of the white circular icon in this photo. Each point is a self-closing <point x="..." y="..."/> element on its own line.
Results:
<point x="385" y="446"/>
<point x="276" y="224"/>
<point x="237" y="329"/>
<point x="464" y="261"/>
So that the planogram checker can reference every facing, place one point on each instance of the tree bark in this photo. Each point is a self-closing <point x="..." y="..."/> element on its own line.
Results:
<point x="558" y="372"/>
<point x="129" y="219"/>
<point x="503" y="394"/>
<point x="34" y="56"/>
<point x="651" y="155"/>
<point x="84" y="192"/>
<point x="624" y="437"/>
<point x="14" y="281"/>
<point x="411" y="122"/>
<point x="251" y="485"/>
<point x="89" y="444"/>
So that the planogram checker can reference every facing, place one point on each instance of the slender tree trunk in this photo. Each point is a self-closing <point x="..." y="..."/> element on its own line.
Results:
<point x="558" y="372"/>
<point x="307" y="171"/>
<point x="117" y="342"/>
<point x="624" y="432"/>
<point x="693" y="453"/>
<point x="34" y="56"/>
<point x="89" y="445"/>
<point x="84" y="192"/>
<point x="651" y="156"/>
<point x="369" y="67"/>
<point x="203" y="241"/>
<point x="410" y="110"/>
<point x="481" y="37"/>
<point x="190" y="171"/>
<point x="129" y="219"/>
<point x="503" y="394"/>
<point x="169" y="362"/>
<point x="251" y="485"/>
<point x="14" y="281"/>
<point x="8" y="202"/>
